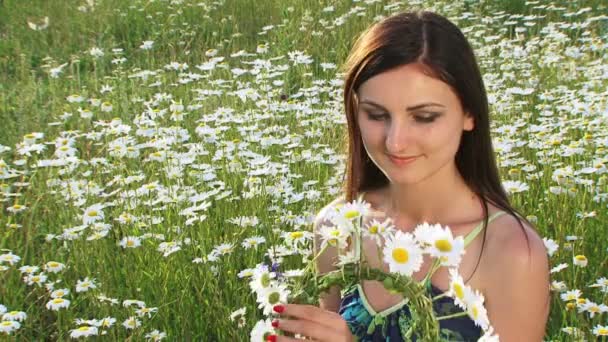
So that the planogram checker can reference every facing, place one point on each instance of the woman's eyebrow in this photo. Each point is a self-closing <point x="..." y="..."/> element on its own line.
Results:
<point x="410" y="108"/>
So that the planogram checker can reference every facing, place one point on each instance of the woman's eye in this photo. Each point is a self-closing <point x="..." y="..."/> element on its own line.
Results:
<point x="425" y="119"/>
<point x="377" y="117"/>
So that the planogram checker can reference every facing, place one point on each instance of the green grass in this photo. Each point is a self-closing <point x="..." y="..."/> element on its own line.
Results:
<point x="194" y="300"/>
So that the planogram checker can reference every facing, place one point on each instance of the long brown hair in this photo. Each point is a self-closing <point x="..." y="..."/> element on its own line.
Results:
<point x="440" y="46"/>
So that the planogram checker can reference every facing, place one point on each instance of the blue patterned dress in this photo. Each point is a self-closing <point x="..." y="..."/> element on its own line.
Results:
<point x="391" y="324"/>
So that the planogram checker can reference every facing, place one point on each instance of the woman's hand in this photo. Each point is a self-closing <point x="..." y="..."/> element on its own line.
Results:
<point x="310" y="321"/>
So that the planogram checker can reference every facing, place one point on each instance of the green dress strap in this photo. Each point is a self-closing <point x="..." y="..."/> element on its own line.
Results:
<point x="479" y="228"/>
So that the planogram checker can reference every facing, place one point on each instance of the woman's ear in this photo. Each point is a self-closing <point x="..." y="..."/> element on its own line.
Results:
<point x="469" y="122"/>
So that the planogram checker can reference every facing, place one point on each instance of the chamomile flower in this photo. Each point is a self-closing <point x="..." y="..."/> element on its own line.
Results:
<point x="334" y="236"/>
<point x="237" y="313"/>
<point x="29" y="269"/>
<point x="551" y="246"/>
<point x="84" y="331"/>
<point x="156" y="335"/>
<point x="602" y="283"/>
<point x="131" y="323"/>
<point x="59" y="293"/>
<point x="253" y="241"/>
<point x="272" y="295"/>
<point x="92" y="214"/>
<point x="10" y="258"/>
<point x="3" y="309"/>
<point x="571" y="295"/>
<point x="457" y="288"/>
<point x="262" y="277"/>
<point x="297" y="239"/>
<point x="593" y="308"/>
<point x="489" y="336"/>
<point x="130" y="242"/>
<point x="54" y="267"/>
<point x="580" y="260"/>
<point x="57" y="303"/>
<point x="14" y="316"/>
<point x="351" y="211"/>
<point x="146" y="311"/>
<point x="600" y="330"/>
<point x="85" y="285"/>
<point x="445" y="247"/>
<point x="9" y="326"/>
<point x="37" y="279"/>
<point x="402" y="254"/>
<point x="376" y="230"/>
<point x="475" y="309"/>
<point x="262" y="330"/>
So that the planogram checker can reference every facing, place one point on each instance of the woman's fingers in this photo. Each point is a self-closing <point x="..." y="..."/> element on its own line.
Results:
<point x="310" y="313"/>
<point x="307" y="328"/>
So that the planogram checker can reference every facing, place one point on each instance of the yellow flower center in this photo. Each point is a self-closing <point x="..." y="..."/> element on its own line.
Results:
<point x="13" y="313"/>
<point x="84" y="328"/>
<point x="580" y="258"/>
<point x="296" y="235"/>
<point x="474" y="312"/>
<point x="53" y="264"/>
<point x="93" y="213"/>
<point x="443" y="245"/>
<point x="58" y="300"/>
<point x="373" y="229"/>
<point x="59" y="293"/>
<point x="400" y="255"/>
<point x="459" y="291"/>
<point x="7" y="323"/>
<point x="602" y="331"/>
<point x="335" y="232"/>
<point x="130" y="243"/>
<point x="351" y="214"/>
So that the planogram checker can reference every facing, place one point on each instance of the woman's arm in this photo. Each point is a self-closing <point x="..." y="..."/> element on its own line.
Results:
<point x="517" y="285"/>
<point x="325" y="263"/>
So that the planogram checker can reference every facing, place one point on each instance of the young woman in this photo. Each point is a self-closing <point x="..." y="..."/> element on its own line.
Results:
<point x="420" y="150"/>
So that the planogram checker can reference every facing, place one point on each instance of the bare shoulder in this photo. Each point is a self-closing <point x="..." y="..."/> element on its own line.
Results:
<point x="516" y="280"/>
<point x="514" y="243"/>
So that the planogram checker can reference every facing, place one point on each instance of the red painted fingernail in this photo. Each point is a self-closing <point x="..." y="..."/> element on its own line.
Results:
<point x="275" y="323"/>
<point x="278" y="308"/>
<point x="271" y="338"/>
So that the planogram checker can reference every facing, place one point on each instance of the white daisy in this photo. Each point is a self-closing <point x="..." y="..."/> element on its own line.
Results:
<point x="9" y="326"/>
<point x="59" y="293"/>
<point x="272" y="295"/>
<point x="402" y="254"/>
<point x="376" y="230"/>
<point x="29" y="269"/>
<point x="10" y="258"/>
<point x="571" y="295"/>
<point x="335" y="236"/>
<point x="92" y="214"/>
<point x="85" y="285"/>
<point x="14" y="316"/>
<point x="130" y="242"/>
<point x="53" y="266"/>
<point x="599" y="330"/>
<point x="551" y="246"/>
<point x="489" y="336"/>
<point x="262" y="277"/>
<point x="131" y="323"/>
<point x="445" y="247"/>
<point x="84" y="331"/>
<point x="3" y="309"/>
<point x="580" y="260"/>
<point x="475" y="309"/>
<point x="156" y="335"/>
<point x="262" y="330"/>
<point x="253" y="241"/>
<point x="457" y="288"/>
<point x="57" y="303"/>
<point x="602" y="283"/>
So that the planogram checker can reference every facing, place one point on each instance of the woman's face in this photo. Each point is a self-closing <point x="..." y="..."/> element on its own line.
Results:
<point x="410" y="123"/>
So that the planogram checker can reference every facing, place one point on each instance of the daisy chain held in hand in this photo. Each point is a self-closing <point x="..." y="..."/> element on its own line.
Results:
<point x="420" y="150"/>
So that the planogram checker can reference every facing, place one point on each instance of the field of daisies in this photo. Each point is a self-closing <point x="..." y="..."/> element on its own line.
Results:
<point x="155" y="153"/>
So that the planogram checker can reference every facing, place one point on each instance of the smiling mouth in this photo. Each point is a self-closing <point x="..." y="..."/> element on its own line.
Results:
<point x="402" y="161"/>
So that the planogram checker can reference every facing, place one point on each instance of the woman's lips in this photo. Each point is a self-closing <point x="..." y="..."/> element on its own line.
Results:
<point x="401" y="161"/>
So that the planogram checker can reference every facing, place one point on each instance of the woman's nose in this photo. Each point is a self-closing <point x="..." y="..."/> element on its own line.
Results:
<point x="397" y="139"/>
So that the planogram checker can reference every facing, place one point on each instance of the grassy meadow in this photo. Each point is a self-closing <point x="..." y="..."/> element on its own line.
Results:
<point x="153" y="152"/>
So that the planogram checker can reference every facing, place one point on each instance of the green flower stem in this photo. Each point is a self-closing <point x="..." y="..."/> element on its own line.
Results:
<point x="439" y="296"/>
<point x="458" y="314"/>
